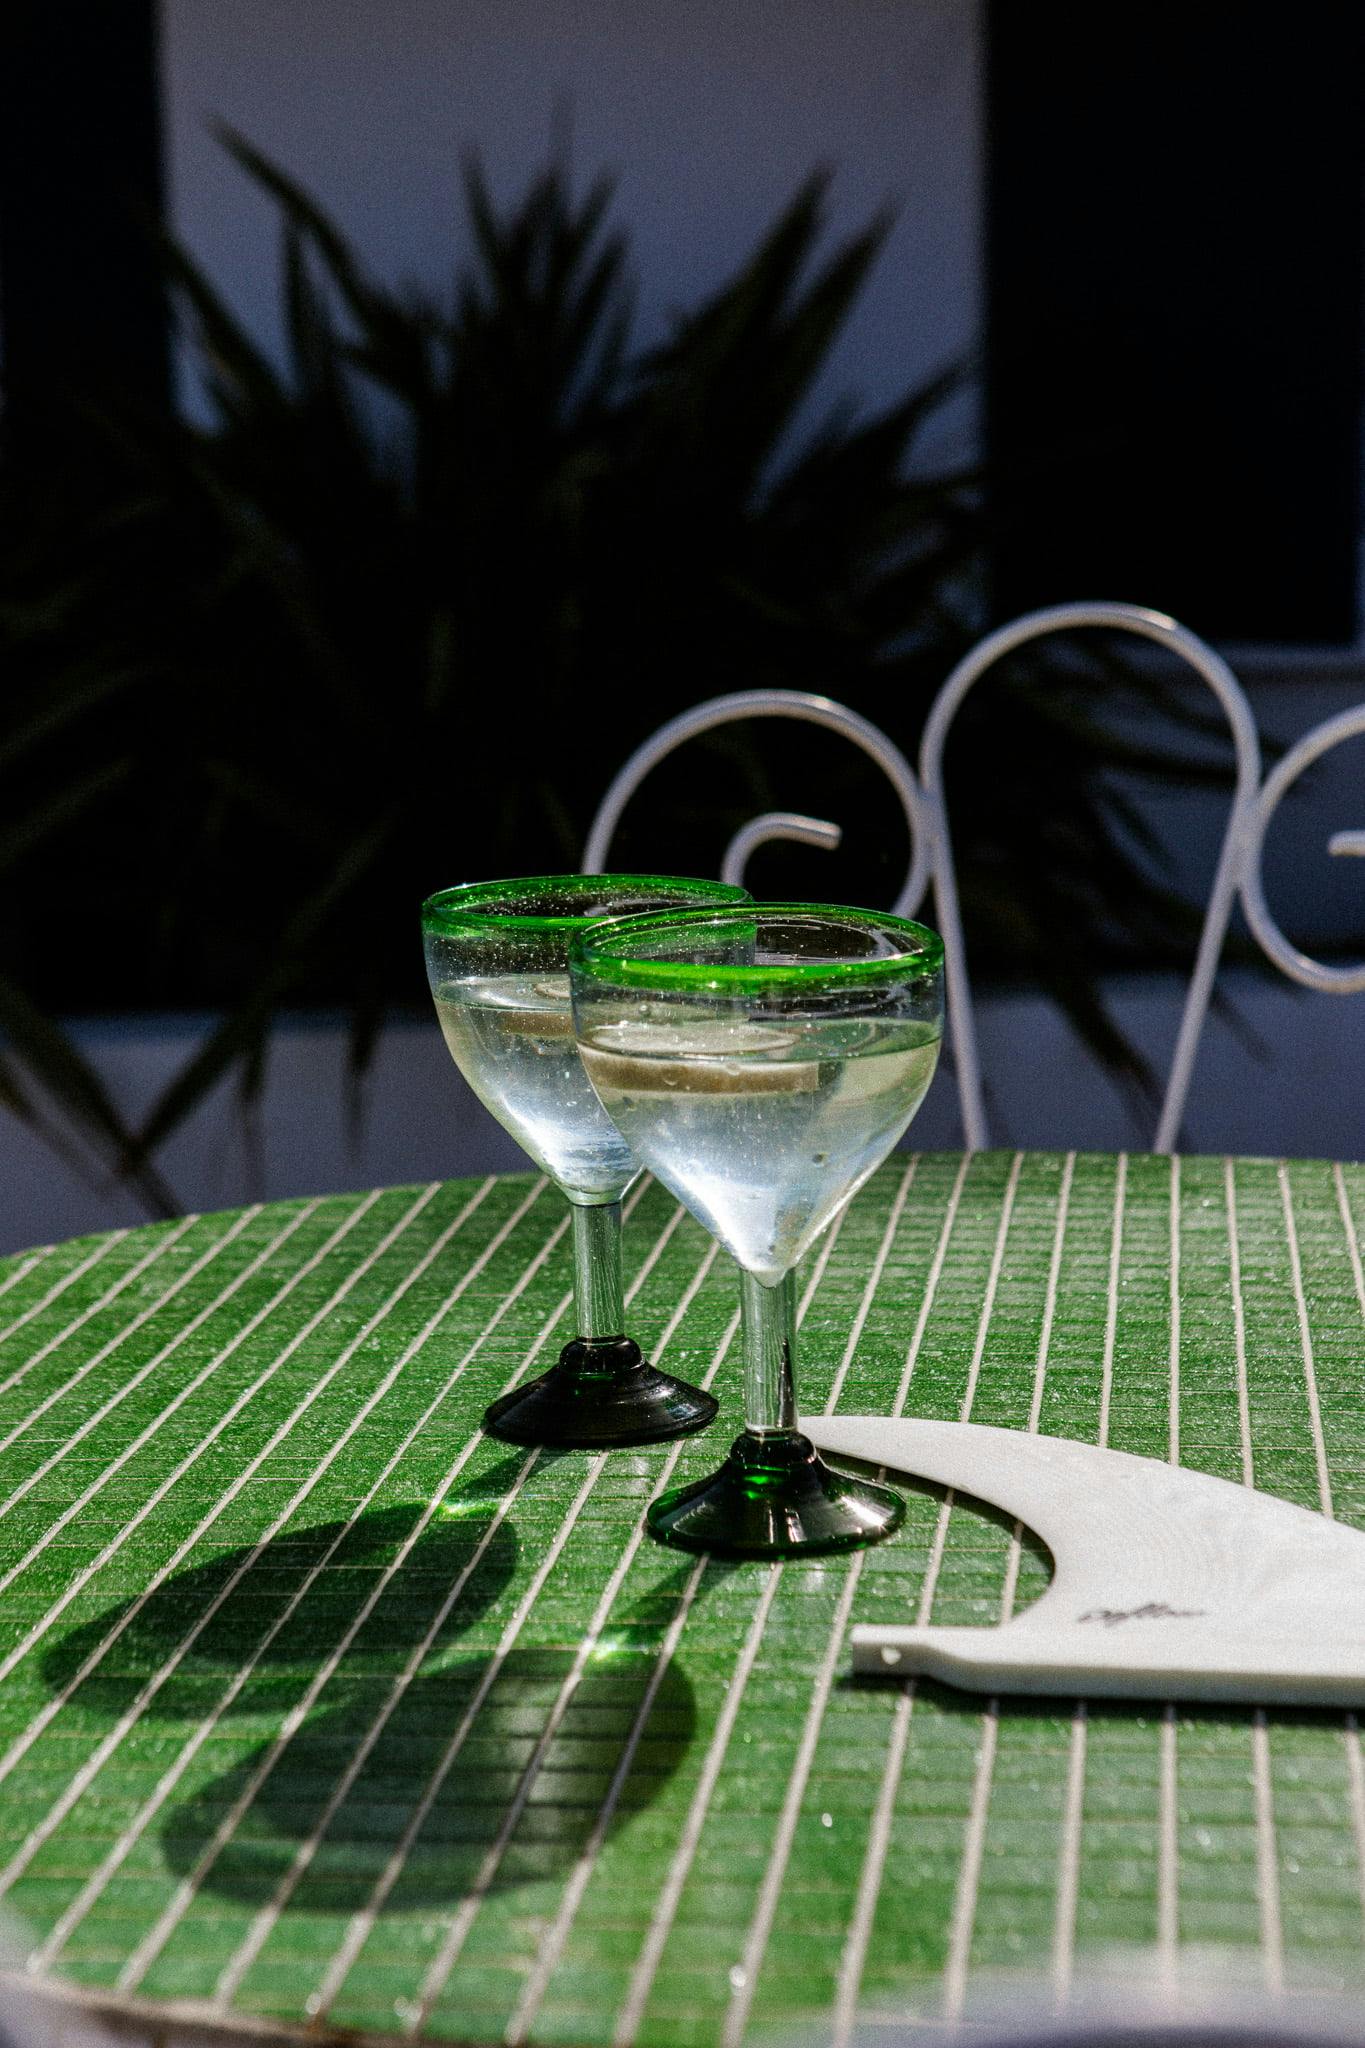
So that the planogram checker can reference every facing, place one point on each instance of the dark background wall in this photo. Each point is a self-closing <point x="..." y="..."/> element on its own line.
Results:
<point x="711" y="114"/>
<point x="1174" y="309"/>
<point x="80" y="192"/>
<point x="1146" y="227"/>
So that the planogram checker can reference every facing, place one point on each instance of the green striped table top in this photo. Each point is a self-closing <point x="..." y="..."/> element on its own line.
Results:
<point x="321" y="1711"/>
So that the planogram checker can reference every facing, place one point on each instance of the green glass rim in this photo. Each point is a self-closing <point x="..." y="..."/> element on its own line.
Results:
<point x="458" y="909"/>
<point x="602" y="954"/>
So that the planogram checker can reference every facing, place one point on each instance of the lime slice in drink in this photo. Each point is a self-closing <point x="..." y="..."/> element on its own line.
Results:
<point x="697" y="1059"/>
<point x="526" y="1008"/>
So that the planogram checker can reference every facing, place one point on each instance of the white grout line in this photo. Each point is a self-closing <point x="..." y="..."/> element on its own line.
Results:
<point x="1073" y="1811"/>
<point x="869" y="1292"/>
<point x="1355" y="1782"/>
<point x="1272" y="1940"/>
<point x="1239" y="1325"/>
<point x="19" y="1862"/>
<point x="656" y="1250"/>
<point x="853" y="1960"/>
<point x="1352" y="1241"/>
<point x="969" y="1876"/>
<point x="105" y="1245"/>
<point x="666" y="1904"/>
<point x="115" y="1465"/>
<point x="963" y="1920"/>
<point x="1310" y="1375"/>
<point x="992" y="1283"/>
<point x="27" y="1262"/>
<point x="167" y="1783"/>
<point x="1111" y="1314"/>
<point x="1069" y="1862"/>
<point x="1054" y="1278"/>
<point x="135" y="1272"/>
<point x="744" y="1980"/>
<point x="818" y="1269"/>
<point x="551" y="1945"/>
<point x="1168" y="1812"/>
<point x="1350" y="1732"/>
<point x="1173" y="1352"/>
<point x="1355" y="1775"/>
<point x="1168" y="1855"/>
<point x="152" y="1944"/>
<point x="448" y="1955"/>
<point x="1267" y="1868"/>
<point x="931" y="1284"/>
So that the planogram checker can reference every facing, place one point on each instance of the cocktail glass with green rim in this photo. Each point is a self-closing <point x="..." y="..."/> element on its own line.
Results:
<point x="497" y="960"/>
<point x="762" y="1060"/>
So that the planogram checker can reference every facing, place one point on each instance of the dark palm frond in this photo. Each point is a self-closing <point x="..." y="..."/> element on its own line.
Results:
<point x="241" y="1038"/>
<point x="306" y="219"/>
<point x="35" y="725"/>
<point x="720" y="396"/>
<point x="241" y="382"/>
<point x="39" y="1045"/>
<point x="56" y="813"/>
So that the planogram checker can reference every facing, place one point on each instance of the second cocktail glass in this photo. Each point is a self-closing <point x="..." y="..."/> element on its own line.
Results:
<point x="497" y="961"/>
<point x="762" y="1060"/>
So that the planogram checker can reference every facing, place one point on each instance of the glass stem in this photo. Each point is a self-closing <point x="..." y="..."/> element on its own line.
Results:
<point x="598" y="1302"/>
<point x="769" y="1319"/>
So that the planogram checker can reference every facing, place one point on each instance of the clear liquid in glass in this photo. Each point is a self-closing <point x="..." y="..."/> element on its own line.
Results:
<point x="762" y="1131"/>
<point x="511" y="1036"/>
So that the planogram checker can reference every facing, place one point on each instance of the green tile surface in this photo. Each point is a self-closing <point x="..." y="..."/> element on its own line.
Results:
<point x="318" y="1706"/>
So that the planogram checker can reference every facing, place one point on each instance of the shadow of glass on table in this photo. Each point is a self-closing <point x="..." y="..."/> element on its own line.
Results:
<point x="435" y="1788"/>
<point x="290" y="1609"/>
<point x="406" y="1751"/>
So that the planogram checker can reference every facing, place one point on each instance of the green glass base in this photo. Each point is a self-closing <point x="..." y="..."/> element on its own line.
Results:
<point x="774" y="1497"/>
<point x="602" y="1395"/>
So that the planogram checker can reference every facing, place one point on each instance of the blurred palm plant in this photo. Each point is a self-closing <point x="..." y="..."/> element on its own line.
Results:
<point x="396" y="609"/>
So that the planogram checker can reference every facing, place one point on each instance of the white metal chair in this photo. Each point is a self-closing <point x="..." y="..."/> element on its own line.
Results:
<point x="924" y="803"/>
<point x="771" y="825"/>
